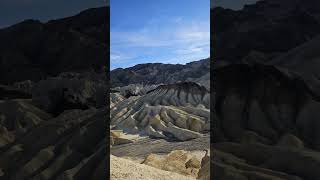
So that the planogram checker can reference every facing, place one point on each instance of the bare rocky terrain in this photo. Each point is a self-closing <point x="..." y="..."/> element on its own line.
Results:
<point x="162" y="125"/>
<point x="53" y="100"/>
<point x="266" y="86"/>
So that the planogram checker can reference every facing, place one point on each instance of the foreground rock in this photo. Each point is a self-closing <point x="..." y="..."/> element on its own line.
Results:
<point x="178" y="161"/>
<point x="204" y="172"/>
<point x="118" y="138"/>
<point x="122" y="169"/>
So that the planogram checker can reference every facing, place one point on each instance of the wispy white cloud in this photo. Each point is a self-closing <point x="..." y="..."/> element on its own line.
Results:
<point x="116" y="57"/>
<point x="153" y="37"/>
<point x="184" y="41"/>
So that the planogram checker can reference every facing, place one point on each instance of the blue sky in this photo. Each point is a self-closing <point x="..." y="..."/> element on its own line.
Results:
<point x="165" y="31"/>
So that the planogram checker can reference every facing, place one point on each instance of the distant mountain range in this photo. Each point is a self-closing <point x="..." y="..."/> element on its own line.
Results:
<point x="158" y="73"/>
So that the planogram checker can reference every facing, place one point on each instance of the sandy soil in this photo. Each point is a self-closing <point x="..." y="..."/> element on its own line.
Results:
<point x="124" y="169"/>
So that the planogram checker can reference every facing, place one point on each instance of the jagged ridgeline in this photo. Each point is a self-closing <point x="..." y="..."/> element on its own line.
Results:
<point x="157" y="73"/>
<point x="266" y="105"/>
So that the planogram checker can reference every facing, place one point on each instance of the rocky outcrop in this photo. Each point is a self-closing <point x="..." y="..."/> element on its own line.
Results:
<point x="204" y="171"/>
<point x="119" y="138"/>
<point x="178" y="161"/>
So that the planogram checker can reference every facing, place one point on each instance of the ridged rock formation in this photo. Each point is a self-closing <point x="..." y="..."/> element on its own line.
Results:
<point x="70" y="146"/>
<point x="179" y="111"/>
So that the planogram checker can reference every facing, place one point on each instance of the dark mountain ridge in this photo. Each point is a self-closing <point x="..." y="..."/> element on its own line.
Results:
<point x="268" y="26"/>
<point x="158" y="73"/>
<point x="32" y="50"/>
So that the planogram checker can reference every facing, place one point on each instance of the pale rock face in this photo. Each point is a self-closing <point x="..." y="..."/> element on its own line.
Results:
<point x="118" y="138"/>
<point x="179" y="111"/>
